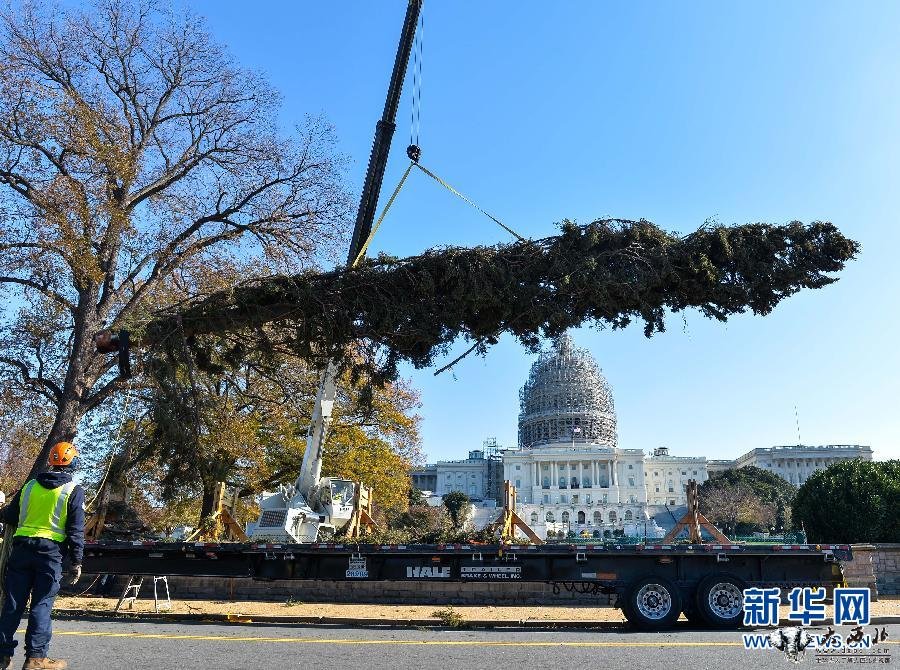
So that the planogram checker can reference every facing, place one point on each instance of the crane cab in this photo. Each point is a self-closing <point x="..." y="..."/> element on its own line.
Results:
<point x="336" y="499"/>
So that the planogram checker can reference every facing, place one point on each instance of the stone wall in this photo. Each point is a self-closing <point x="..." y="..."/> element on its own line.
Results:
<point x="429" y="593"/>
<point x="876" y="566"/>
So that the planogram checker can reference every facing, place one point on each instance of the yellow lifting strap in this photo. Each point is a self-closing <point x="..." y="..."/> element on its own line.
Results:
<point x="465" y="199"/>
<point x="365" y="246"/>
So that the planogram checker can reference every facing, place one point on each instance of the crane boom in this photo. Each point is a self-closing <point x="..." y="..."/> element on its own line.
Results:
<point x="311" y="469"/>
<point x="300" y="513"/>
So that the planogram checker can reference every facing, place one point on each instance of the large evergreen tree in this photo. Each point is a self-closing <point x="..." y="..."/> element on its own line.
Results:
<point x="851" y="501"/>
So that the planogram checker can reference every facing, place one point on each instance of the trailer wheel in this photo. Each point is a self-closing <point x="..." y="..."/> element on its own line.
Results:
<point x="652" y="603"/>
<point x="720" y="600"/>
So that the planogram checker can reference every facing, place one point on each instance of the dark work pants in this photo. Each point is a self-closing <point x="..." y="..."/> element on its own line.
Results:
<point x="34" y="568"/>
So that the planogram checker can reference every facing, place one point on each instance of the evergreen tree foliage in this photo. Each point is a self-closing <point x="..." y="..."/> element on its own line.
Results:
<point x="851" y="501"/>
<point x="607" y="273"/>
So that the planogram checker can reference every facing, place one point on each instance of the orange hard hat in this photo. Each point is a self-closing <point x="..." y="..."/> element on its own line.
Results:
<point x="62" y="454"/>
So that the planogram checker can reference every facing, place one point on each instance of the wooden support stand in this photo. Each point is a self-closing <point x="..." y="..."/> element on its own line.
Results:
<point x="693" y="521"/>
<point x="223" y="524"/>
<point x="362" y="521"/>
<point x="111" y="492"/>
<point x="509" y="521"/>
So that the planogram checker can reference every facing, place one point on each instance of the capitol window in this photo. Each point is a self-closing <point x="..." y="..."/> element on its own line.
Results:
<point x="612" y="516"/>
<point x="534" y="518"/>
<point x="550" y="518"/>
<point x="581" y="518"/>
<point x="565" y="517"/>
<point x="628" y="515"/>
<point x="598" y="518"/>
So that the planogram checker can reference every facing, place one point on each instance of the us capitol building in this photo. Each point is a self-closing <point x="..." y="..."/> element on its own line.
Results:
<point x="570" y="473"/>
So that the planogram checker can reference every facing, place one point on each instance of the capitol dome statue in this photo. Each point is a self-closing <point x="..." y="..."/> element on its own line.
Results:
<point x="566" y="399"/>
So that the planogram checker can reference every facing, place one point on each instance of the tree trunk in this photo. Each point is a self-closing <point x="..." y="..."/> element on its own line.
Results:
<point x="65" y="427"/>
<point x="77" y="384"/>
<point x="209" y="496"/>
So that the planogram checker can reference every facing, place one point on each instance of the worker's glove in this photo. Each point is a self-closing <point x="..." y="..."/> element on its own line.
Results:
<point x="74" y="574"/>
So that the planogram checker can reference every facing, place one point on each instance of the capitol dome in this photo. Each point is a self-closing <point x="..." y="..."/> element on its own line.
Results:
<point x="566" y="397"/>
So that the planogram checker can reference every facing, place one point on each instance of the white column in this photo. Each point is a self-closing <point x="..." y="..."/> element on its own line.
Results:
<point x="594" y="473"/>
<point x="615" y="470"/>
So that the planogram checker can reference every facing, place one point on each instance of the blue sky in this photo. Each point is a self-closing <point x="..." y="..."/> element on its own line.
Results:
<point x="676" y="112"/>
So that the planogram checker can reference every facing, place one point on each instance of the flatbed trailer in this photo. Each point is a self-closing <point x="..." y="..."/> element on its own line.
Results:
<point x="653" y="583"/>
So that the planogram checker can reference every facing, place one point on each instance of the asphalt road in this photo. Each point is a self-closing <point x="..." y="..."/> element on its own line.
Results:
<point x="111" y="645"/>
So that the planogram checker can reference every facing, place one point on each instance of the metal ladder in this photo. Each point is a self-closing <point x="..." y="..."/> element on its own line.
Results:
<point x="134" y="585"/>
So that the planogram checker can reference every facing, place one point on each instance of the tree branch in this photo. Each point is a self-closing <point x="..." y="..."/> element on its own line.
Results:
<point x="43" y="386"/>
<point x="104" y="392"/>
<point x="46" y="290"/>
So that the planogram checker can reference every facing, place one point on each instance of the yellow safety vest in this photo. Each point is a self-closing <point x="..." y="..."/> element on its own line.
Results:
<point x="43" y="512"/>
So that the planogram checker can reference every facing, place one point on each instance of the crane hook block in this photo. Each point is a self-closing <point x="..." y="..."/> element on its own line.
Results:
<point x="414" y="152"/>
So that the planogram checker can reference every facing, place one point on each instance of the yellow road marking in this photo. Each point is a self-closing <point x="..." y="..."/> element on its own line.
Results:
<point x="432" y="643"/>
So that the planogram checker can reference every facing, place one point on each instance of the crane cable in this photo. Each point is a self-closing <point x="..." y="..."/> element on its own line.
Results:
<point x="415" y="121"/>
<point x="100" y="485"/>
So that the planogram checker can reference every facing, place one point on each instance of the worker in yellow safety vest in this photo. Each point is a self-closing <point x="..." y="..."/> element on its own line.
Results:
<point x="49" y="516"/>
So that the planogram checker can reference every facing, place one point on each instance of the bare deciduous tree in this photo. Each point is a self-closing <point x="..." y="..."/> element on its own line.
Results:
<point x="134" y="156"/>
<point x="731" y="507"/>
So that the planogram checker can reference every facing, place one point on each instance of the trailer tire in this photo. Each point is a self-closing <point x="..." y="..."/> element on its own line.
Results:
<point x="720" y="600"/>
<point x="652" y="603"/>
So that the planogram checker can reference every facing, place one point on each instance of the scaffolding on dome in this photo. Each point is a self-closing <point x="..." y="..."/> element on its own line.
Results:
<point x="566" y="399"/>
